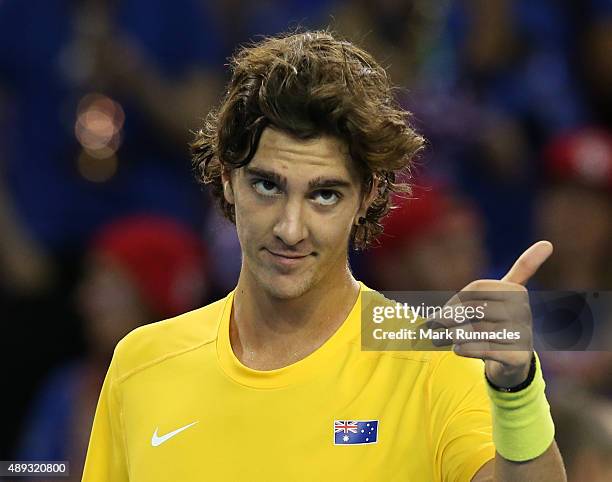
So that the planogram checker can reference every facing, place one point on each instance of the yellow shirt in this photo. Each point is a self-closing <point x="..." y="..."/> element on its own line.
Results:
<point x="177" y="405"/>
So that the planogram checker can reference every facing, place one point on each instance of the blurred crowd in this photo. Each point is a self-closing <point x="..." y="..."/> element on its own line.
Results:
<point x="103" y="227"/>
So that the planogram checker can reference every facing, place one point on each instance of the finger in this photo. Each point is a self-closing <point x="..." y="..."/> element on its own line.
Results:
<point x="529" y="262"/>
<point x="497" y="337"/>
<point x="484" y="352"/>
<point x="462" y="314"/>
<point x="502" y="291"/>
<point x="461" y="336"/>
<point x="453" y="312"/>
<point x="481" y="352"/>
<point x="495" y="340"/>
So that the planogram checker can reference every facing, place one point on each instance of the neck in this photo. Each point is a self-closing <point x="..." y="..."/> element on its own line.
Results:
<point x="267" y="332"/>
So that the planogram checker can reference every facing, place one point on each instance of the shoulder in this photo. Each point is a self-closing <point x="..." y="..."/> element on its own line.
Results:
<point x="155" y="342"/>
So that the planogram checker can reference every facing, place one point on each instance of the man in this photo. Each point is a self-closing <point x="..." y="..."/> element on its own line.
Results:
<point x="271" y="383"/>
<point x="137" y="269"/>
<point x="435" y="227"/>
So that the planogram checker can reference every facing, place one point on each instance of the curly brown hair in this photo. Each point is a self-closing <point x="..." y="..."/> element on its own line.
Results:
<point x="308" y="84"/>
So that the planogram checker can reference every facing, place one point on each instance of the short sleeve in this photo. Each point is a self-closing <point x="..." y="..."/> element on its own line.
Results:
<point x="106" y="456"/>
<point x="461" y="425"/>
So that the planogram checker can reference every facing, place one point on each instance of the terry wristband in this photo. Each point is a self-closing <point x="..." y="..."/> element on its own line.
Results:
<point x="522" y="426"/>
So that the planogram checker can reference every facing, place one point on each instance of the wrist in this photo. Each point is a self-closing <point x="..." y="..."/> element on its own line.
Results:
<point x="516" y="384"/>
<point x="522" y="426"/>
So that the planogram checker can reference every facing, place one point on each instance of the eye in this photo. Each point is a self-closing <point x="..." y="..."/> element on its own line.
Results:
<point x="326" y="197"/>
<point x="265" y="187"/>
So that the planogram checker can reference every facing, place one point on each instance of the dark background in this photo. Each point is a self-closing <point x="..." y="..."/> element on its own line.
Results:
<point x="97" y="101"/>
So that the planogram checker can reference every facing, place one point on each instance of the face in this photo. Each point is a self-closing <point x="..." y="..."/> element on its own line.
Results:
<point x="458" y="250"/>
<point x="576" y="220"/>
<point x="448" y="258"/>
<point x="295" y="203"/>
<point x="110" y="305"/>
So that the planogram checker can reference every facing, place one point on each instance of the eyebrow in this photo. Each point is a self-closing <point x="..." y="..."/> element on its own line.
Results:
<point x="268" y="175"/>
<point x="316" y="183"/>
<point x="322" y="182"/>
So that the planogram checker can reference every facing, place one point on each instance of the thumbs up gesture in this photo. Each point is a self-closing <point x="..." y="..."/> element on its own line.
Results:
<point x="504" y="304"/>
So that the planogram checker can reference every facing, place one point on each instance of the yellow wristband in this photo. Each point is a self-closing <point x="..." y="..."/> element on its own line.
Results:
<point x="522" y="426"/>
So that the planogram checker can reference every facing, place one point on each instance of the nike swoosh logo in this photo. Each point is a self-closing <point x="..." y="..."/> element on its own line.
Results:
<point x="157" y="440"/>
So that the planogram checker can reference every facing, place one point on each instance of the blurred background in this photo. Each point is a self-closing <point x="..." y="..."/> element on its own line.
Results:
<point x="103" y="228"/>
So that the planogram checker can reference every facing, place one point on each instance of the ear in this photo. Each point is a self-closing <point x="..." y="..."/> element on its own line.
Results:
<point x="368" y="198"/>
<point x="228" y="192"/>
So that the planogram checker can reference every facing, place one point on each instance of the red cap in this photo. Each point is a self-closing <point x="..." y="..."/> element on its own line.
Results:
<point x="164" y="259"/>
<point x="426" y="211"/>
<point x="584" y="156"/>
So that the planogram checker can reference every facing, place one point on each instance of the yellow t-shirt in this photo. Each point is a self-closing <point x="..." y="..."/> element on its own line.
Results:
<point x="177" y="405"/>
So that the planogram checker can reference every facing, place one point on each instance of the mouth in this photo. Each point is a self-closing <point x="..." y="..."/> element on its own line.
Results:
<point x="287" y="259"/>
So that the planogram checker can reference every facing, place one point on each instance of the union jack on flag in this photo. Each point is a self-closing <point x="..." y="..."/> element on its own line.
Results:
<point x="355" y="432"/>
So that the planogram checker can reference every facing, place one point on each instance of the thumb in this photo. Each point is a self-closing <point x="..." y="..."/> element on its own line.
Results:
<point x="529" y="262"/>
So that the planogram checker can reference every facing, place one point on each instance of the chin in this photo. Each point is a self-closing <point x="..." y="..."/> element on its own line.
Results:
<point x="286" y="287"/>
<point x="286" y="291"/>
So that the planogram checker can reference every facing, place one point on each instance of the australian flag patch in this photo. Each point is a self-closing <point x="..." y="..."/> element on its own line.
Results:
<point x="355" y="432"/>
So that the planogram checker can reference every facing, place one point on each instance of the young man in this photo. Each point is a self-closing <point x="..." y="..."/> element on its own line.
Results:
<point x="270" y="383"/>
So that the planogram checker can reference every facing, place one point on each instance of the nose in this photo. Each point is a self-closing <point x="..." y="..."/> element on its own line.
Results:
<point x="291" y="228"/>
